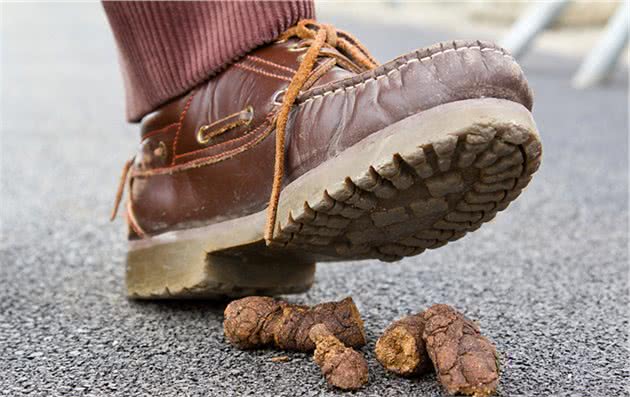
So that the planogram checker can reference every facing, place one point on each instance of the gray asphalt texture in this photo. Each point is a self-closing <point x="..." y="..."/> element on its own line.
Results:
<point x="547" y="280"/>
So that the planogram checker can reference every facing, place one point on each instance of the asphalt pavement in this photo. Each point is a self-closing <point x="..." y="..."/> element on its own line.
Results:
<point x="547" y="280"/>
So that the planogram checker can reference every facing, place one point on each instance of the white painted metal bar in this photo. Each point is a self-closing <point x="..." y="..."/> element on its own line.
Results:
<point x="603" y="58"/>
<point x="527" y="27"/>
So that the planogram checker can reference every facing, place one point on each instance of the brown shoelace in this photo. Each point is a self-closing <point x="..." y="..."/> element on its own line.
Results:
<point x="317" y="37"/>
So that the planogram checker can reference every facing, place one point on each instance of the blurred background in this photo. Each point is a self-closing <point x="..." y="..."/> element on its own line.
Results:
<point x="548" y="279"/>
<point x="574" y="29"/>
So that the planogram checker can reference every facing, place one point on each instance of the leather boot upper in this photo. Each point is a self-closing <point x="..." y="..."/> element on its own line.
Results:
<point x="209" y="155"/>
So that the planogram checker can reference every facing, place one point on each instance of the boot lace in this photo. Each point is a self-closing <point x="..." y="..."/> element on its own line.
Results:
<point x="317" y="37"/>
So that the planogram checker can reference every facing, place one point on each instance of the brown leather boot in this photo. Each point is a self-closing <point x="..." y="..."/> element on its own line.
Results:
<point x="307" y="150"/>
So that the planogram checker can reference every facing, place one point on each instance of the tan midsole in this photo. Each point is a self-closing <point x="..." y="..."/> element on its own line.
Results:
<point x="419" y="129"/>
<point x="248" y="229"/>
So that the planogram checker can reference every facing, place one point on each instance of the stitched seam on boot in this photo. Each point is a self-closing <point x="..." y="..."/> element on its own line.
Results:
<point x="269" y="63"/>
<point x="159" y="130"/>
<point x="261" y="72"/>
<point x="181" y="123"/>
<point x="397" y="69"/>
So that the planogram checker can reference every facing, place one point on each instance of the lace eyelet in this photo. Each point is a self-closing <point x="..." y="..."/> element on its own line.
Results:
<point x="160" y="151"/>
<point x="206" y="133"/>
<point x="202" y="138"/>
<point x="296" y="48"/>
<point x="278" y="97"/>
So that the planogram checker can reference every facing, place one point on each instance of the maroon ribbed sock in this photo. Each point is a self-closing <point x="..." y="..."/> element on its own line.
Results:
<point x="167" y="48"/>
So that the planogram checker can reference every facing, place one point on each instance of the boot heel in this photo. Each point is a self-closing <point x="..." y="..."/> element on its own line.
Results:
<point x="183" y="269"/>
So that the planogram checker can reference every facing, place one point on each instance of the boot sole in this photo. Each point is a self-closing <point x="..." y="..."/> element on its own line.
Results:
<point x="415" y="185"/>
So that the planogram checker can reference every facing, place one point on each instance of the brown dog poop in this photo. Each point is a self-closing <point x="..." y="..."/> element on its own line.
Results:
<point x="464" y="360"/>
<point x="260" y="321"/>
<point x="401" y="349"/>
<point x="342" y="366"/>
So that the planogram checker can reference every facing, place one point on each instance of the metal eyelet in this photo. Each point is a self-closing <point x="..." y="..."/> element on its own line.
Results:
<point x="205" y="134"/>
<point x="279" y="97"/>
<point x="202" y="137"/>
<point x="296" y="48"/>
<point x="250" y="114"/>
<point x="160" y="151"/>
